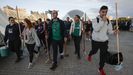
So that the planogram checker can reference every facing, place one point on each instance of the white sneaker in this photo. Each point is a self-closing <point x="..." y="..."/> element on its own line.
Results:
<point x="118" y="67"/>
<point x="87" y="39"/>
<point x="37" y="55"/>
<point x="30" y="65"/>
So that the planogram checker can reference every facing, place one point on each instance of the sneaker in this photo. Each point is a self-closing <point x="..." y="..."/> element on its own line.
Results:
<point x="48" y="61"/>
<point x="30" y="65"/>
<point x="66" y="55"/>
<point x="18" y="60"/>
<point x="86" y="39"/>
<point x="102" y="72"/>
<point x="61" y="56"/>
<point x="75" y="52"/>
<point x="79" y="57"/>
<point x="89" y="58"/>
<point x="54" y="66"/>
<point x="37" y="55"/>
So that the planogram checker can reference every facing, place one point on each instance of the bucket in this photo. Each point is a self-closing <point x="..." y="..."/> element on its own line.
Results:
<point x="4" y="51"/>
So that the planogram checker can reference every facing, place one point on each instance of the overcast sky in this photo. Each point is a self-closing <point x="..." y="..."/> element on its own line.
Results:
<point x="91" y="7"/>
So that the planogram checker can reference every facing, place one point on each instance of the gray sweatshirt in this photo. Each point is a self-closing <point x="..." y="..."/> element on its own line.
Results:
<point x="30" y="36"/>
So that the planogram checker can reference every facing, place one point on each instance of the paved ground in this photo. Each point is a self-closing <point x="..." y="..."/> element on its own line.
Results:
<point x="71" y="65"/>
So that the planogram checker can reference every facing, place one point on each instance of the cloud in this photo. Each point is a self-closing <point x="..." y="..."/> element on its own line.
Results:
<point x="124" y="7"/>
<point x="91" y="7"/>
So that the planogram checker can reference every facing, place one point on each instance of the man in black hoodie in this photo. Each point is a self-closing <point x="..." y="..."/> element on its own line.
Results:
<point x="57" y="34"/>
<point x="12" y="36"/>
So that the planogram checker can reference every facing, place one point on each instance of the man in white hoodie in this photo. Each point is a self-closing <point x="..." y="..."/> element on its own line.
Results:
<point x="101" y="28"/>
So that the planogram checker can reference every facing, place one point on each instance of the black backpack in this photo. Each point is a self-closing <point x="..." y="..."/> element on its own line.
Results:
<point x="112" y="58"/>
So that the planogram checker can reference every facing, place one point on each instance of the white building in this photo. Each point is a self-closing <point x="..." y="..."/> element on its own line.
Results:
<point x="3" y="21"/>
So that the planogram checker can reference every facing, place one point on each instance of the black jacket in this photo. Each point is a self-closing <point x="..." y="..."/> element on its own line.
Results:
<point x="67" y="25"/>
<point x="12" y="33"/>
<point x="62" y="29"/>
<point x="40" y="29"/>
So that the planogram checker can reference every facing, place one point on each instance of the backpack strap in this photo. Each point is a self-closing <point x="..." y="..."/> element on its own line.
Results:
<point x="108" y="21"/>
<point x="98" y="20"/>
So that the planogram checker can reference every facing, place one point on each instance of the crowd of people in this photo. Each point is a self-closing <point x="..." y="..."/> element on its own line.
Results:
<point x="123" y="25"/>
<point x="56" y="33"/>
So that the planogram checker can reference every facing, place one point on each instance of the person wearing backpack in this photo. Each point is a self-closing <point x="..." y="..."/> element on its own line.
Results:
<point x="101" y="27"/>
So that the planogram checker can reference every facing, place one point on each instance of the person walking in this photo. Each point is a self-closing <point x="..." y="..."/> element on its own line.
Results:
<point x="12" y="38"/>
<point x="76" y="32"/>
<point x="101" y="28"/>
<point x="31" y="39"/>
<point x="57" y="36"/>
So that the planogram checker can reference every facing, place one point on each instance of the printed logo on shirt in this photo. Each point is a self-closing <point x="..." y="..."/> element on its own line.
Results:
<point x="77" y="27"/>
<point x="39" y="27"/>
<point x="10" y="31"/>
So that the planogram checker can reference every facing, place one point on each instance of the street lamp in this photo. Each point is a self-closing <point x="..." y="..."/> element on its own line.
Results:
<point x="49" y="12"/>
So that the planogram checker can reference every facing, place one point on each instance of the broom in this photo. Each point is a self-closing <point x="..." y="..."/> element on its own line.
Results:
<point x="119" y="66"/>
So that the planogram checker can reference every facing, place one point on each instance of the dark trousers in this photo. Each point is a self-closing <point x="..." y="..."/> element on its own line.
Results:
<point x="31" y="51"/>
<point x="103" y="46"/>
<point x="2" y="45"/>
<point x="57" y="45"/>
<point x="15" y="47"/>
<point x="42" y="41"/>
<point x="49" y="41"/>
<point x="77" y="40"/>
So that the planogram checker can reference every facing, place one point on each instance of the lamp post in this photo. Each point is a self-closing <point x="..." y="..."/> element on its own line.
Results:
<point x="49" y="12"/>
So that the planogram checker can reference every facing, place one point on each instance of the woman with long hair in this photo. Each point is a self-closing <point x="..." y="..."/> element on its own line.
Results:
<point x="31" y="39"/>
